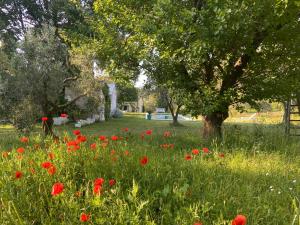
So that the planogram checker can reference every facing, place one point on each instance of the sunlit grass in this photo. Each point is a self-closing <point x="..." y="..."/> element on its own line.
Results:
<point x="258" y="176"/>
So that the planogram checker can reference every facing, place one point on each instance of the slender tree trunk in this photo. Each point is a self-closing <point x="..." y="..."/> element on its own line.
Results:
<point x="48" y="127"/>
<point x="175" y="119"/>
<point x="213" y="125"/>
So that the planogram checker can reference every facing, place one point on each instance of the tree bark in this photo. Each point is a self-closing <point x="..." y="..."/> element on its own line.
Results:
<point x="213" y="125"/>
<point x="47" y="127"/>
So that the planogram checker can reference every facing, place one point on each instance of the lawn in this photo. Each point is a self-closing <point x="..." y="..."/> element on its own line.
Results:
<point x="153" y="177"/>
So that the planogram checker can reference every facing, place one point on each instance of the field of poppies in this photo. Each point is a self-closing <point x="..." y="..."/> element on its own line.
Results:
<point x="131" y="171"/>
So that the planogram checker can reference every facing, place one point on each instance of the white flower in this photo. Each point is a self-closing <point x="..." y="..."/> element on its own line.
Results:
<point x="279" y="192"/>
<point x="294" y="181"/>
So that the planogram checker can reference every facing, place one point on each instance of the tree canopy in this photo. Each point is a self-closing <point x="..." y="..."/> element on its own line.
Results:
<point x="221" y="53"/>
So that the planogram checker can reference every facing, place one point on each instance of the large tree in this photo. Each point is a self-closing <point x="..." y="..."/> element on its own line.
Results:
<point x="221" y="53"/>
<point x="40" y="72"/>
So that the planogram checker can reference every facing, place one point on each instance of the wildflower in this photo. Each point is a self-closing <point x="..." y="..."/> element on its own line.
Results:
<point x="20" y="150"/>
<point x="195" y="151"/>
<point x="188" y="157"/>
<point x="57" y="188"/>
<point x="221" y="155"/>
<point x="99" y="181"/>
<point x="44" y="119"/>
<point x="63" y="115"/>
<point x="81" y="138"/>
<point x="167" y="134"/>
<point x="93" y="146"/>
<point x="51" y="155"/>
<point x="126" y="129"/>
<point x="126" y="152"/>
<point x="4" y="154"/>
<point x="144" y="160"/>
<point x="24" y="139"/>
<point x="205" y="150"/>
<point x="52" y="170"/>
<point x="239" y="220"/>
<point x="102" y="138"/>
<point x="46" y="165"/>
<point x="84" y="217"/>
<point x="148" y="132"/>
<point x="197" y="223"/>
<point x="112" y="152"/>
<point x="18" y="174"/>
<point x="76" y="132"/>
<point x="112" y="182"/>
<point x="97" y="189"/>
<point x="114" y="138"/>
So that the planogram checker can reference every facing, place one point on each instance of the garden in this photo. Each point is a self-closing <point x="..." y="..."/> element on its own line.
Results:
<point x="158" y="112"/>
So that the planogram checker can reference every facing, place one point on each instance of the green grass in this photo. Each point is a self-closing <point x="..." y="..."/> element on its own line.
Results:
<point x="259" y="176"/>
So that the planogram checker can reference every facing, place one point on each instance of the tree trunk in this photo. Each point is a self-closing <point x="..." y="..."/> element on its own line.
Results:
<point x="213" y="125"/>
<point x="47" y="127"/>
<point x="175" y="119"/>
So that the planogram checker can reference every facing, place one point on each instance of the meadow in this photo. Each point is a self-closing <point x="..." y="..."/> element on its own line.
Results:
<point x="134" y="171"/>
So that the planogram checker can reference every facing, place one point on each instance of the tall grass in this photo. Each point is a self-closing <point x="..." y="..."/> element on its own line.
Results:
<point x="257" y="177"/>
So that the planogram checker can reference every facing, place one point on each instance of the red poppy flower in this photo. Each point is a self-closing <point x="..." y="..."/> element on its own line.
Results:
<point x="239" y="220"/>
<point x="112" y="152"/>
<point x="51" y="155"/>
<point x="18" y="174"/>
<point x="126" y="152"/>
<point x="114" y="138"/>
<point x="97" y="189"/>
<point x="126" y="129"/>
<point x="52" y="170"/>
<point x="24" y="139"/>
<point x="188" y="157"/>
<point x="57" y="188"/>
<point x="47" y="165"/>
<point x="102" y="138"/>
<point x="84" y="217"/>
<point x="197" y="223"/>
<point x="76" y="132"/>
<point x="195" y="151"/>
<point x="44" y="118"/>
<point x="71" y="143"/>
<point x="81" y="138"/>
<point x="205" y="150"/>
<point x="93" y="146"/>
<point x="20" y="150"/>
<point x="112" y="182"/>
<point x="167" y="134"/>
<point x="4" y="154"/>
<point x="148" y="132"/>
<point x="99" y="181"/>
<point x="63" y="115"/>
<point x="144" y="160"/>
<point x="221" y="155"/>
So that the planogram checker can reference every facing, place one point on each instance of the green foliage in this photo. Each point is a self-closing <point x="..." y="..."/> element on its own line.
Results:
<point x="210" y="50"/>
<point x="127" y="93"/>
<point x="257" y="177"/>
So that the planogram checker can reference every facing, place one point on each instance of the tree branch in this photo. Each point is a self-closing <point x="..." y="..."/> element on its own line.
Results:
<point x="72" y="101"/>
